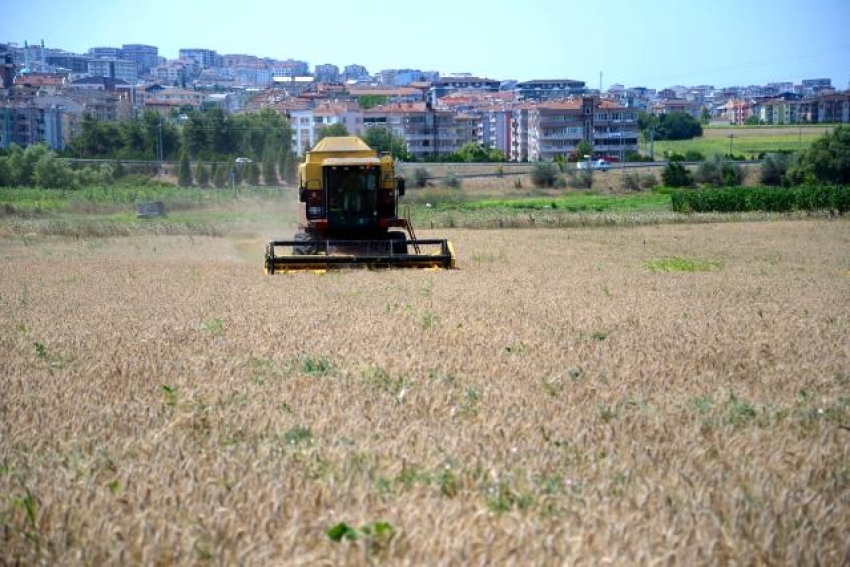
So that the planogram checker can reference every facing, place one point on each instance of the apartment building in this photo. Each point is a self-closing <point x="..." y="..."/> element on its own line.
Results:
<point x="163" y="100"/>
<point x="308" y="122"/>
<point x="520" y="135"/>
<point x="452" y="84"/>
<point x="355" y="73"/>
<point x="495" y="132"/>
<point x="553" y="89"/>
<point x="833" y="108"/>
<point x="203" y="58"/>
<point x="735" y="111"/>
<point x="51" y="120"/>
<point x="429" y="134"/>
<point x="779" y="110"/>
<point x="326" y="73"/>
<point x="146" y="57"/>
<point x="290" y="69"/>
<point x="556" y="129"/>
<point x="114" y="69"/>
<point x="671" y="105"/>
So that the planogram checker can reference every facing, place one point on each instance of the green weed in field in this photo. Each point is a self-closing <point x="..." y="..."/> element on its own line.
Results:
<point x="316" y="365"/>
<point x="677" y="264"/>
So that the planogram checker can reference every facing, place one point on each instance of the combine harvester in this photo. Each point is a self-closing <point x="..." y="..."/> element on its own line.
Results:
<point x="347" y="204"/>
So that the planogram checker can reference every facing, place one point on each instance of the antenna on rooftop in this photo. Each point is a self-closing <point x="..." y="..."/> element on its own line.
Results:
<point x="600" y="82"/>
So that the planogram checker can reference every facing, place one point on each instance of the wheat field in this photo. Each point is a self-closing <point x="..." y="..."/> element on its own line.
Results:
<point x="668" y="394"/>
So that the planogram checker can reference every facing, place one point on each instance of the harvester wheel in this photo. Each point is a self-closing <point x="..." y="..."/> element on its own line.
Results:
<point x="305" y="244"/>
<point x="399" y="242"/>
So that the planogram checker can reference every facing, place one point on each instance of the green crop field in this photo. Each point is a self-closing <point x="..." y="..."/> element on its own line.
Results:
<point x="747" y="142"/>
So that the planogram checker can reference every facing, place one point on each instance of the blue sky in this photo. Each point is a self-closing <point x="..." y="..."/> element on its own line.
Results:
<point x="654" y="43"/>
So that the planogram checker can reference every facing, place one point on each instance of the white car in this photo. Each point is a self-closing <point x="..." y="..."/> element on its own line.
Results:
<point x="600" y="164"/>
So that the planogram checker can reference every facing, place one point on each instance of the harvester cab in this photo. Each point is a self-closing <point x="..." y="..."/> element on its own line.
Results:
<point x="348" y="215"/>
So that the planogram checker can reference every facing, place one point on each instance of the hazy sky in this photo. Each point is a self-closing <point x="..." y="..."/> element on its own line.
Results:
<point x="654" y="43"/>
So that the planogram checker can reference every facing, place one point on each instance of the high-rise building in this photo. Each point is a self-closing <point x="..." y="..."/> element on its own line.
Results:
<point x="205" y="58"/>
<point x="326" y="73"/>
<point x="146" y="57"/>
<point x="114" y="69"/>
<point x="107" y="52"/>
<point x="355" y="73"/>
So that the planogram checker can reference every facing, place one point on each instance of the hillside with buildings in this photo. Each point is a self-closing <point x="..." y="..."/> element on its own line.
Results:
<point x="45" y="93"/>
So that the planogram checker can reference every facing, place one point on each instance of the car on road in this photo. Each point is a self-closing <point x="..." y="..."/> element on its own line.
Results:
<point x="599" y="164"/>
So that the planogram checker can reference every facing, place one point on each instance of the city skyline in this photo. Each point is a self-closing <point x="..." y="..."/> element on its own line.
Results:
<point x="656" y="44"/>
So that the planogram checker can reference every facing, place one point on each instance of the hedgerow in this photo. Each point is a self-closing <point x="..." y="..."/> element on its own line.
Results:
<point x="770" y="199"/>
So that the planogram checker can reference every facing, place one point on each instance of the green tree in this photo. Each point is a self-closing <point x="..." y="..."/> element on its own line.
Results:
<point x="184" y="172"/>
<point x="5" y="174"/>
<point x="646" y="121"/>
<point x="219" y="175"/>
<point x="584" y="148"/>
<point x="252" y="174"/>
<point x="705" y="117"/>
<point x="473" y="152"/>
<point x="202" y="175"/>
<point x="210" y="135"/>
<point x="97" y="139"/>
<point x="269" y="167"/>
<point x="385" y="141"/>
<point x="827" y="160"/>
<point x="677" y="126"/>
<point x="259" y="131"/>
<point x="332" y="130"/>
<point x="288" y="165"/>
<point x="495" y="155"/>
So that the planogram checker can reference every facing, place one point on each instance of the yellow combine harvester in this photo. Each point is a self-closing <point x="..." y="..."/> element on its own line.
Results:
<point x="347" y="205"/>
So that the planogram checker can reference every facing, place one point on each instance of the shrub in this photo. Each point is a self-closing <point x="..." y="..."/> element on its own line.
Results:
<point x="719" y="172"/>
<point x="544" y="174"/>
<point x="420" y="177"/>
<point x="773" y="169"/>
<point x="631" y="181"/>
<point x="648" y="180"/>
<point x="694" y="155"/>
<point x="583" y="179"/>
<point x="676" y="175"/>
<point x="452" y="180"/>
<point x="184" y="174"/>
<point x="103" y="174"/>
<point x="53" y="173"/>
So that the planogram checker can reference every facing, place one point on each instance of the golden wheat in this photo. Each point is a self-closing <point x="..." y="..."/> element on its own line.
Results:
<point x="552" y="402"/>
